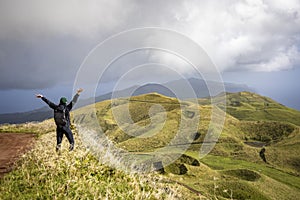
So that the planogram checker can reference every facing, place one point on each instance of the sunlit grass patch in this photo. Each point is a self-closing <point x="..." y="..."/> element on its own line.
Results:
<point x="43" y="173"/>
<point x="38" y="128"/>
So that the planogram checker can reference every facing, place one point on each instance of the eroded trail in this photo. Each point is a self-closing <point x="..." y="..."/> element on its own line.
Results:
<point x="12" y="146"/>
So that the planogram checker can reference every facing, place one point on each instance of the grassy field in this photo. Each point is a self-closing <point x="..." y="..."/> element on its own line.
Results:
<point x="232" y="170"/>
<point x="44" y="174"/>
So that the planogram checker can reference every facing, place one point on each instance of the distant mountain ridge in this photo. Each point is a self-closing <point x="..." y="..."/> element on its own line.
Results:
<point x="22" y="117"/>
<point x="198" y="85"/>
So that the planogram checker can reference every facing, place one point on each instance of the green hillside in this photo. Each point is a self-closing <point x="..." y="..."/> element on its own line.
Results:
<point x="268" y="124"/>
<point x="251" y="106"/>
<point x="232" y="170"/>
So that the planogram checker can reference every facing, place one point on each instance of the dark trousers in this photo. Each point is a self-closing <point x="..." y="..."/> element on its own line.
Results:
<point x="60" y="131"/>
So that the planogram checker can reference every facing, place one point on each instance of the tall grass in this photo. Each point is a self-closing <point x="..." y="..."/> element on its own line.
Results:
<point x="44" y="174"/>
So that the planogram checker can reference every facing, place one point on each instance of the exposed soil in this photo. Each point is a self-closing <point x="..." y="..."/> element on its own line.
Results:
<point x="12" y="146"/>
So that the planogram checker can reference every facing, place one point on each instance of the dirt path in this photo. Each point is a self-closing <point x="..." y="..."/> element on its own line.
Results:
<point x="12" y="146"/>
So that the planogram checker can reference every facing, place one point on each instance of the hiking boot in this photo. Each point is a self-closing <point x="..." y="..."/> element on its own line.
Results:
<point x="71" y="148"/>
<point x="58" y="147"/>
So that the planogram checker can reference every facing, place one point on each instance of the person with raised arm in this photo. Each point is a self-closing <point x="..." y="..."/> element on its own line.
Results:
<point x="62" y="118"/>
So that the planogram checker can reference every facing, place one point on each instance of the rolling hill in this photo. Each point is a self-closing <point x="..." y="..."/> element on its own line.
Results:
<point x="253" y="107"/>
<point x="252" y="121"/>
<point x="232" y="170"/>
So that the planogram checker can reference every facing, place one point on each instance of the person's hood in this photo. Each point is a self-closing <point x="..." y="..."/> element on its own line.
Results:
<point x="63" y="101"/>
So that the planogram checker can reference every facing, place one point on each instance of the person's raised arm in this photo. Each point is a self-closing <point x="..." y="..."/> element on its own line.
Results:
<point x="51" y="104"/>
<point x="75" y="98"/>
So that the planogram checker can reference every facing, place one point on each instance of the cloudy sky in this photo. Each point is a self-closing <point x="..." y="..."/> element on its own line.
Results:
<point x="43" y="43"/>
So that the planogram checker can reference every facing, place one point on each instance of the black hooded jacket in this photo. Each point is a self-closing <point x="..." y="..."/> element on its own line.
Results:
<point x="62" y="106"/>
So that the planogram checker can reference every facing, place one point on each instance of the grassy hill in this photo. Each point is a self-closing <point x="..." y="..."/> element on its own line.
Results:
<point x="232" y="170"/>
<point x="234" y="159"/>
<point x="253" y="107"/>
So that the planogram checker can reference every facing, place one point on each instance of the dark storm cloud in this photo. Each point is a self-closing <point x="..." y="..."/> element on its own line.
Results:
<point x="42" y="43"/>
<point x="38" y="64"/>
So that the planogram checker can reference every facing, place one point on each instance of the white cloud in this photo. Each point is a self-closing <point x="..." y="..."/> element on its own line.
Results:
<point x="281" y="61"/>
<point x="245" y="35"/>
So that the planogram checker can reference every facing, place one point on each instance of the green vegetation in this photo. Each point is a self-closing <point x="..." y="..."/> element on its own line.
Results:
<point x="43" y="174"/>
<point x="243" y="174"/>
<point x="232" y="170"/>
<point x="234" y="162"/>
<point x="253" y="107"/>
<point x="267" y="131"/>
<point x="37" y="128"/>
<point x="222" y="163"/>
<point x="176" y="168"/>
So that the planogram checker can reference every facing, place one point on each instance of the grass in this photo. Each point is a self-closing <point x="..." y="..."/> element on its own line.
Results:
<point x="243" y="174"/>
<point x="267" y="131"/>
<point x="44" y="174"/>
<point x="253" y="107"/>
<point x="234" y="160"/>
<point x="137" y="124"/>
<point x="223" y="176"/>
<point x="226" y="163"/>
<point x="232" y="170"/>
<point x="231" y="161"/>
<point x="31" y="127"/>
